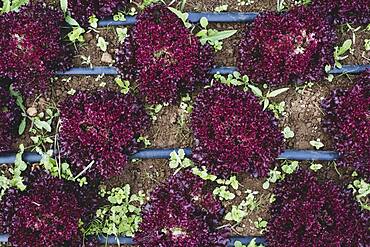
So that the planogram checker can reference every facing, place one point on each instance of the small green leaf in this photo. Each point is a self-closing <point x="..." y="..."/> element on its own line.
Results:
<point x="203" y="22"/>
<point x="256" y="91"/>
<point x="42" y="125"/>
<point x="221" y="8"/>
<point x="221" y="35"/>
<point x="317" y="144"/>
<point x="345" y="47"/>
<point x="288" y="133"/>
<point x="266" y="103"/>
<point x="315" y="167"/>
<point x="277" y="92"/>
<point x="102" y="44"/>
<point x="71" y="21"/>
<point x="330" y="77"/>
<point x="93" y="20"/>
<point x="122" y="34"/>
<point x="181" y="153"/>
<point x="327" y="68"/>
<point x="64" y="5"/>
<point x="22" y="127"/>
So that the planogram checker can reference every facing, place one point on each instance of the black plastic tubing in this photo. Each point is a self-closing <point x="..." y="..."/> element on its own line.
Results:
<point x="346" y="69"/>
<point x="194" y="17"/>
<point x="112" y="240"/>
<point x="33" y="157"/>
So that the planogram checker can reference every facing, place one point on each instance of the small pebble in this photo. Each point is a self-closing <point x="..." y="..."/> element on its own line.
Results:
<point x="239" y="229"/>
<point x="106" y="58"/>
<point x="32" y="111"/>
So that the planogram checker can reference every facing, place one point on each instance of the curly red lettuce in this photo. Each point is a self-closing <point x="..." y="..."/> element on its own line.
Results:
<point x="347" y="122"/>
<point x="163" y="56"/>
<point x="309" y="213"/>
<point x="31" y="47"/>
<point x="49" y="212"/>
<point x="101" y="127"/>
<point x="233" y="134"/>
<point x="345" y="11"/>
<point x="280" y="48"/>
<point x="181" y="212"/>
<point x="10" y="116"/>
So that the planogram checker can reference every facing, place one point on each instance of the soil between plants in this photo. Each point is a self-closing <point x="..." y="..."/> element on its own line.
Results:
<point x="302" y="113"/>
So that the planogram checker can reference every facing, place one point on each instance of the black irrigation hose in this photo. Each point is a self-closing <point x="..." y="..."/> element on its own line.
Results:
<point x="129" y="241"/>
<point x="33" y="157"/>
<point x="225" y="17"/>
<point x="346" y="69"/>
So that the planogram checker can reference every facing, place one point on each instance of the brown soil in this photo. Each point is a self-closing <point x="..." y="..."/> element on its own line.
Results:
<point x="358" y="55"/>
<point x="303" y="114"/>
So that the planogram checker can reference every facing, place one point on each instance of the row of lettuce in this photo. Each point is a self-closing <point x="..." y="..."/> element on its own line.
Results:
<point x="233" y="133"/>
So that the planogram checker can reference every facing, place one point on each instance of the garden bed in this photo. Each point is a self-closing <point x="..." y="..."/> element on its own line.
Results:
<point x="170" y="126"/>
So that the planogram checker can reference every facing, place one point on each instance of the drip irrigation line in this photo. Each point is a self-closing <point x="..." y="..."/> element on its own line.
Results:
<point x="113" y="240"/>
<point x="33" y="157"/>
<point x="346" y="69"/>
<point x="194" y="17"/>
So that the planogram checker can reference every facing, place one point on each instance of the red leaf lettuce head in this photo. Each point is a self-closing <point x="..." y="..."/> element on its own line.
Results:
<point x="347" y="121"/>
<point x="81" y="10"/>
<point x="163" y="56"/>
<point x="181" y="212"/>
<point x="31" y="47"/>
<point x="232" y="133"/>
<point x="102" y="127"/>
<point x="290" y="47"/>
<point x="309" y="213"/>
<point x="345" y="11"/>
<point x="48" y="212"/>
<point x="10" y="116"/>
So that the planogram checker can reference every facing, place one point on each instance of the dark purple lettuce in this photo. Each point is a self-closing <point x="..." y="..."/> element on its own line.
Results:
<point x="163" y="56"/>
<point x="309" y="213"/>
<point x="181" y="212"/>
<point x="102" y="127"/>
<point x="232" y="133"/>
<point x="81" y="10"/>
<point x="347" y="122"/>
<point x="10" y="116"/>
<point x="345" y="11"/>
<point x="290" y="47"/>
<point x="31" y="47"/>
<point x="48" y="213"/>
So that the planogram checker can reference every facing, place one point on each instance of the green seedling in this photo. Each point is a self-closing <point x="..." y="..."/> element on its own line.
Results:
<point x="121" y="216"/>
<point x="221" y="8"/>
<point x="317" y="143"/>
<point x="14" y="179"/>
<point x="213" y="36"/>
<point x="178" y="160"/>
<point x="265" y="99"/>
<point x="223" y="193"/>
<point x="288" y="133"/>
<point x="340" y="51"/>
<point x="315" y="167"/>
<point x="102" y="44"/>
<point x="248" y="205"/>
<point x="361" y="189"/>
<point x="12" y="5"/>
<point x="123" y="85"/>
